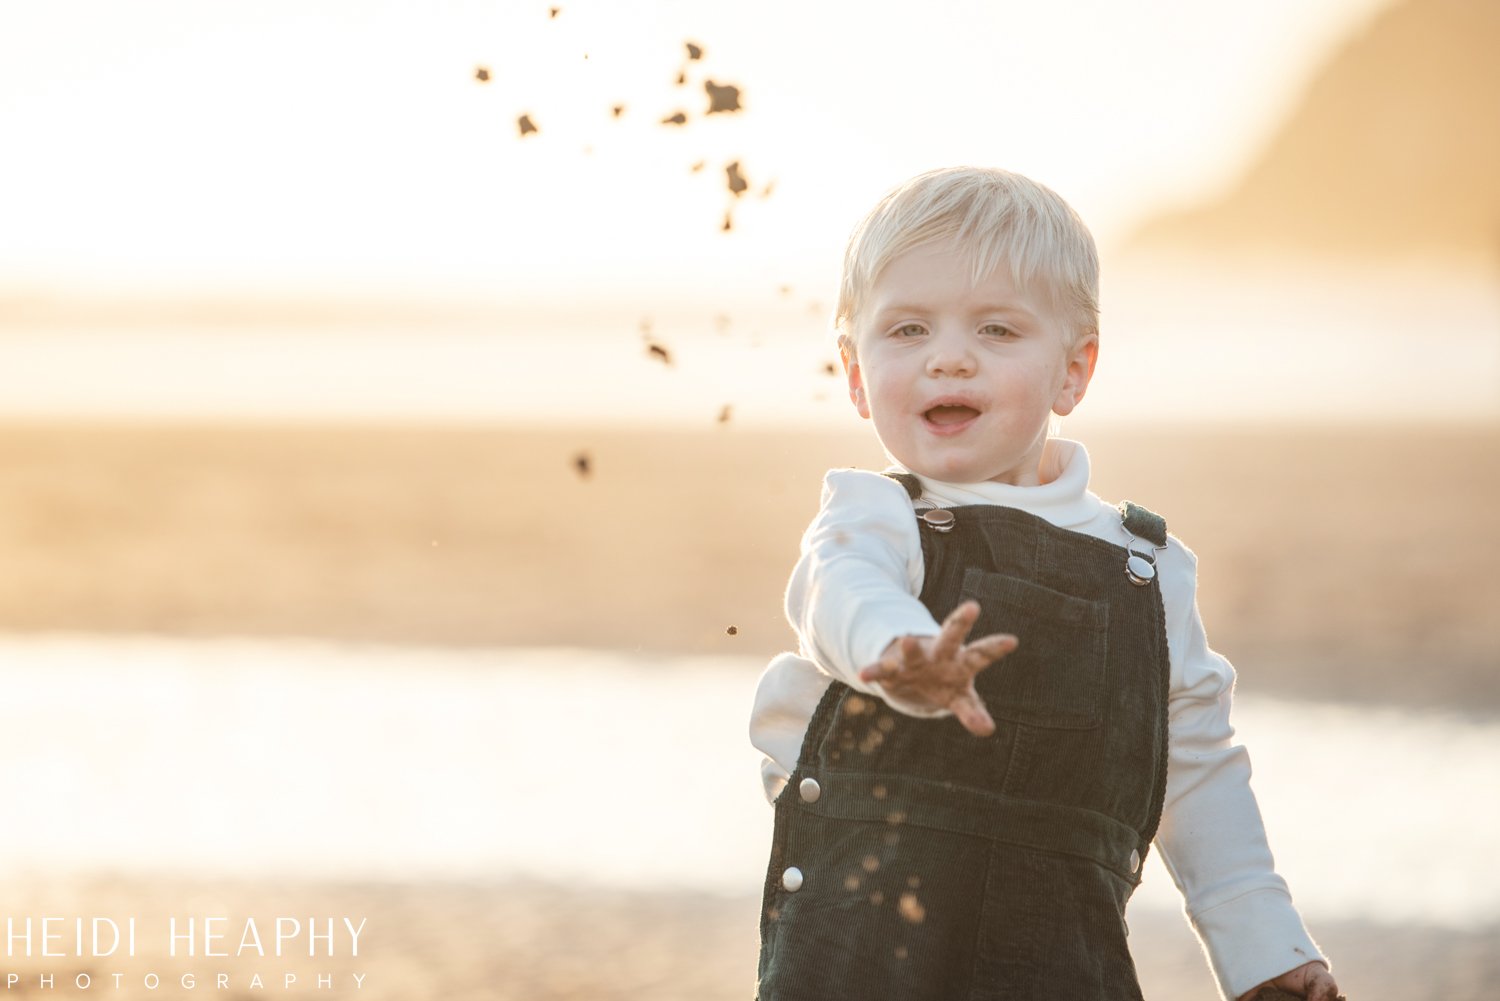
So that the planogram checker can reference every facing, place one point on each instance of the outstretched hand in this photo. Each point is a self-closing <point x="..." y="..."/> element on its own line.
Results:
<point x="937" y="672"/>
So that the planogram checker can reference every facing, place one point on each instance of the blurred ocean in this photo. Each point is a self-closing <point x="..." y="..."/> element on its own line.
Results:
<point x="317" y="759"/>
<point x="1179" y="342"/>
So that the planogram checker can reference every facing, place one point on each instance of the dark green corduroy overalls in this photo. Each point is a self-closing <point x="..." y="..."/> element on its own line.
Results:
<point x="929" y="863"/>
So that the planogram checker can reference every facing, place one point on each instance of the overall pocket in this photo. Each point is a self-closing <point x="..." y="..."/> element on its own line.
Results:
<point x="1056" y="677"/>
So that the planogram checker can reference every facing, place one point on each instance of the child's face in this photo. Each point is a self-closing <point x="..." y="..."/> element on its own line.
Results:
<point x="960" y="381"/>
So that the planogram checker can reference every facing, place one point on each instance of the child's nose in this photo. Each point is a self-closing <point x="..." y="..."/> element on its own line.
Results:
<point x="950" y="357"/>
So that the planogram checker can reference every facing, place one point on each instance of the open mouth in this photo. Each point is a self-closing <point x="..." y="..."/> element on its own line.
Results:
<point x="950" y="415"/>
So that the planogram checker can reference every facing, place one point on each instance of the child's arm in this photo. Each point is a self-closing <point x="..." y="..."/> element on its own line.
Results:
<point x="852" y="599"/>
<point x="1211" y="837"/>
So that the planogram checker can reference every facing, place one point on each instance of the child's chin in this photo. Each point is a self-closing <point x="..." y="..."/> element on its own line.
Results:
<point x="947" y="468"/>
<point x="949" y="472"/>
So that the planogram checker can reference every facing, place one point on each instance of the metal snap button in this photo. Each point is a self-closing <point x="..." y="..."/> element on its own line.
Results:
<point x="1139" y="570"/>
<point x="939" y="519"/>
<point x="809" y="790"/>
<point x="791" y="880"/>
<point x="1135" y="860"/>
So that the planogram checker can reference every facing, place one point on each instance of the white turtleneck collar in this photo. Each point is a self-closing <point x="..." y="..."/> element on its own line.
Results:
<point x="1066" y="501"/>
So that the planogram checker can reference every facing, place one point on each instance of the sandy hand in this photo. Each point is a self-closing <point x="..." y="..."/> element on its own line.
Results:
<point x="1310" y="980"/>
<point x="937" y="672"/>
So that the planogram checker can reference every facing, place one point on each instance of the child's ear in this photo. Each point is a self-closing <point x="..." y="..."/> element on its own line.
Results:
<point x="856" y="379"/>
<point x="1081" y="359"/>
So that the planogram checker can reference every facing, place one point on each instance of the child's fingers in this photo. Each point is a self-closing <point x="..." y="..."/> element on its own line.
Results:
<point x="955" y="630"/>
<point x="969" y="710"/>
<point x="985" y="651"/>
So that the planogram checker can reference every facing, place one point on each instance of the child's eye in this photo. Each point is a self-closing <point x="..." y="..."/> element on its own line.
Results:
<point x="910" y="330"/>
<point x="997" y="330"/>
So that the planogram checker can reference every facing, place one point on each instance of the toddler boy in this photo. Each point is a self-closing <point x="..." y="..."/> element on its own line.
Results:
<point x="967" y="817"/>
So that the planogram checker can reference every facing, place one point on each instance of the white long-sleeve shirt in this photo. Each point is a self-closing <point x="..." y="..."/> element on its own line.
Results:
<point x="854" y="590"/>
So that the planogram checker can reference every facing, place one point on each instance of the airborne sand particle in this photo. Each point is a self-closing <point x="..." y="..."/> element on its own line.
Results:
<point x="722" y="97"/>
<point x="737" y="183"/>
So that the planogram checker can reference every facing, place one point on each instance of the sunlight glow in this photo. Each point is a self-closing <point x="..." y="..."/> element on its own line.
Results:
<point x="348" y="154"/>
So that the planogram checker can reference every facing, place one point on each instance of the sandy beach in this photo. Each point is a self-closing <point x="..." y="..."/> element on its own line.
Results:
<point x="1324" y="576"/>
<point x="533" y="941"/>
<point x="1327" y="568"/>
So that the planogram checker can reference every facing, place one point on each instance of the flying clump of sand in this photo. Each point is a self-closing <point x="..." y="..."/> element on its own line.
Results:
<point x="723" y="99"/>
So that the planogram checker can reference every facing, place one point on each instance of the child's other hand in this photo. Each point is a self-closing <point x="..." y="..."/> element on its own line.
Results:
<point x="937" y="672"/>
<point x="1310" y="980"/>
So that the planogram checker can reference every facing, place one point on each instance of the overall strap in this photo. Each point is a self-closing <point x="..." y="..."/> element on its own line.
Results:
<point x="936" y="518"/>
<point x="1140" y="522"/>
<point x="909" y="481"/>
<point x="1144" y="524"/>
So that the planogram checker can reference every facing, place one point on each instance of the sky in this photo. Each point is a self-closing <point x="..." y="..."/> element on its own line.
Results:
<point x="348" y="146"/>
<point x="345" y="151"/>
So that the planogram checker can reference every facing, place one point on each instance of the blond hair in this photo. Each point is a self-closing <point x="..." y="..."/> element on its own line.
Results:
<point x="995" y="216"/>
